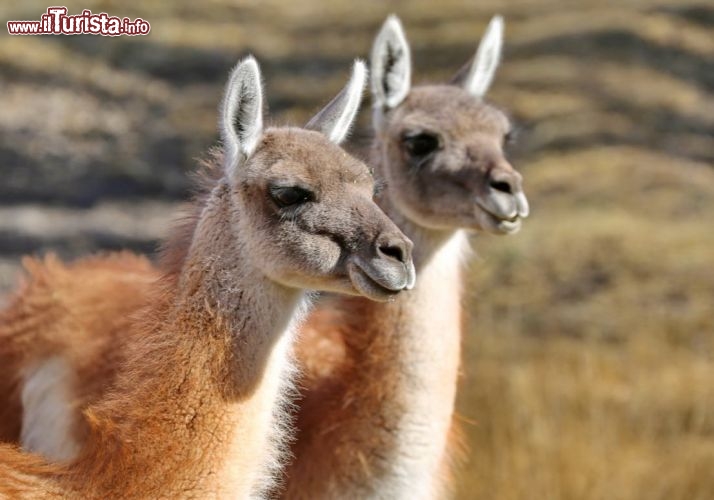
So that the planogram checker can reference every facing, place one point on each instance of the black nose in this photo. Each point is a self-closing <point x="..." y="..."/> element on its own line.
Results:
<point x="394" y="247"/>
<point x="501" y="186"/>
<point x="504" y="180"/>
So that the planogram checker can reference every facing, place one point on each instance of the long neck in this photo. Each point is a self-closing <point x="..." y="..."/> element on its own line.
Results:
<point x="394" y="396"/>
<point x="416" y="348"/>
<point x="198" y="399"/>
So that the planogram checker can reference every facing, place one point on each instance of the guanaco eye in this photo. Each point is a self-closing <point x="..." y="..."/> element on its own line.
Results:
<point x="421" y="145"/>
<point x="378" y="188"/>
<point x="510" y="136"/>
<point x="289" y="196"/>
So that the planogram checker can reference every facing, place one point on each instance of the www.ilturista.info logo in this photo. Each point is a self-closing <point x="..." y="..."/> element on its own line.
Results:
<point x="56" y="22"/>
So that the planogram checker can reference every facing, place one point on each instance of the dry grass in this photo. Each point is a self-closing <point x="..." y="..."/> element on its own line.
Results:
<point x="589" y="368"/>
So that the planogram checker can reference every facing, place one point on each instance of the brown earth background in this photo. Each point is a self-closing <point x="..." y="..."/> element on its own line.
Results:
<point x="589" y="356"/>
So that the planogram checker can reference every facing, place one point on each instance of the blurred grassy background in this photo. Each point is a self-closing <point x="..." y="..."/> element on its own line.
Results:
<point x="589" y="359"/>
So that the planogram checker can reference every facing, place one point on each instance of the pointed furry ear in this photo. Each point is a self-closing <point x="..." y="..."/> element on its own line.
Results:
<point x="335" y="119"/>
<point x="241" y="119"/>
<point x="476" y="76"/>
<point x="391" y="65"/>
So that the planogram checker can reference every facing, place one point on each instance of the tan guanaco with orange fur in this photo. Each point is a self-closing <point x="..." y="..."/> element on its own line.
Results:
<point x="375" y="420"/>
<point x="202" y="364"/>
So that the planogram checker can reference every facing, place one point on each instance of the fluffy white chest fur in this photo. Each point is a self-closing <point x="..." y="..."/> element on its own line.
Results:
<point x="49" y="411"/>
<point x="429" y="358"/>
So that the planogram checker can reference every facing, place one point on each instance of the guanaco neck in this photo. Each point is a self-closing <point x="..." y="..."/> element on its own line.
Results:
<point x="421" y="344"/>
<point x="197" y="406"/>
<point x="382" y="422"/>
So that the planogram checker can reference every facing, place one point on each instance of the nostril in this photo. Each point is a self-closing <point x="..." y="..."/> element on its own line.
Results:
<point x="393" y="251"/>
<point x="394" y="246"/>
<point x="501" y="186"/>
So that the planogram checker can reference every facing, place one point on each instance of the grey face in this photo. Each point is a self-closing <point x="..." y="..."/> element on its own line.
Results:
<point x="311" y="204"/>
<point x="445" y="165"/>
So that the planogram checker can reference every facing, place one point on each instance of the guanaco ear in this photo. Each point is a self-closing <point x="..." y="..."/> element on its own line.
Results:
<point x="241" y="120"/>
<point x="335" y="119"/>
<point x="391" y="65"/>
<point x="476" y="76"/>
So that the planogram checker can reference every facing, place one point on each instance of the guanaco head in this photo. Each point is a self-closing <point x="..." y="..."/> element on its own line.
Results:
<point x="441" y="147"/>
<point x="306" y="207"/>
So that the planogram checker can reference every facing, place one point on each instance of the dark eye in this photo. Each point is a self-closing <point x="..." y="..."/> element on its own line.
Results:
<point x="510" y="137"/>
<point x="289" y="196"/>
<point x="378" y="187"/>
<point x="421" y="145"/>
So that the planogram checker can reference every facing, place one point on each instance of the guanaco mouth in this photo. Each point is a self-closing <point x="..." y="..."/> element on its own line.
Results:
<point x="369" y="286"/>
<point x="508" y="225"/>
<point x="501" y="223"/>
<point x="520" y="211"/>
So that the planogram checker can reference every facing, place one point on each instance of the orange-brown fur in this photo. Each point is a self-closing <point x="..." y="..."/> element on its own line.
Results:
<point x="329" y="369"/>
<point x="111" y="456"/>
<point x="59" y="309"/>
<point x="150" y="426"/>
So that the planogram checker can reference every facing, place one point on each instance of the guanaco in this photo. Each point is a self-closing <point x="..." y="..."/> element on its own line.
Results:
<point x="196" y="407"/>
<point x="376" y="415"/>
